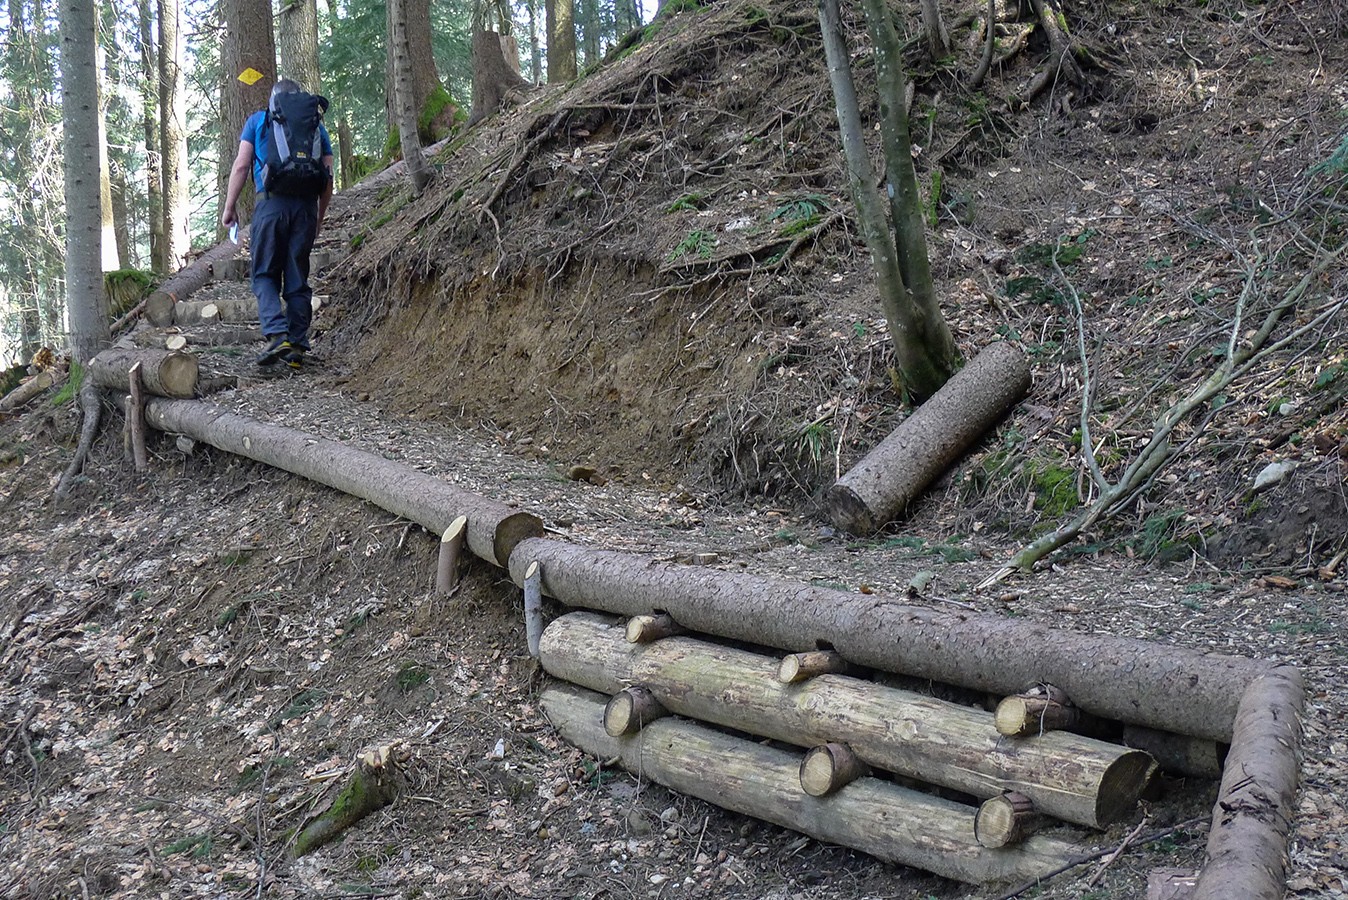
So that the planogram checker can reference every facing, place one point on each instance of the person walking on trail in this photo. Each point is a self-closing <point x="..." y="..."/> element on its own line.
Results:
<point x="290" y="154"/>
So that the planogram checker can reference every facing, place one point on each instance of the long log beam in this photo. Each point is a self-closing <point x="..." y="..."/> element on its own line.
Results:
<point x="494" y="529"/>
<point x="1160" y="686"/>
<point x="1070" y="777"/>
<point x="876" y="817"/>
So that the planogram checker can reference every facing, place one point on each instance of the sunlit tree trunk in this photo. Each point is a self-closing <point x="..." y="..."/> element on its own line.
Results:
<point x="173" y="135"/>
<point x="535" y="52"/>
<point x="79" y="114"/>
<point x="418" y="171"/>
<point x="422" y="78"/>
<point x="150" y="120"/>
<point x="248" y="44"/>
<point x="112" y="258"/>
<point x="561" y="40"/>
<point x="297" y="43"/>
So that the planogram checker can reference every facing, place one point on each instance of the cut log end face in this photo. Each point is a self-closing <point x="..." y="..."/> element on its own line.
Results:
<point x="828" y="768"/>
<point x="631" y="709"/>
<point x="1004" y="820"/>
<point x="510" y="531"/>
<point x="848" y="511"/>
<point x="1029" y="715"/>
<point x="178" y="374"/>
<point x="1122" y="785"/>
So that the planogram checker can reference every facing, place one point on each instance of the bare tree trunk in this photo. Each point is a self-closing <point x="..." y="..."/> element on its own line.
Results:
<point x="419" y="173"/>
<point x="173" y="135"/>
<point x="493" y="79"/>
<point x="422" y="77"/>
<point x="85" y="299"/>
<point x="588" y="21"/>
<point x="297" y="43"/>
<point x="111" y="250"/>
<point x="933" y="30"/>
<point x="121" y="216"/>
<point x="249" y="43"/>
<point x="561" y="40"/>
<point x="346" y="156"/>
<point x="154" y="188"/>
<point x="535" y="53"/>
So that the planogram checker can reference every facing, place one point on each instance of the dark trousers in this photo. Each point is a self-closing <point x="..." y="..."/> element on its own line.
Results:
<point x="282" y="236"/>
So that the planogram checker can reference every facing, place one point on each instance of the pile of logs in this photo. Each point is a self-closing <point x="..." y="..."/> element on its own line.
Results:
<point x="893" y="773"/>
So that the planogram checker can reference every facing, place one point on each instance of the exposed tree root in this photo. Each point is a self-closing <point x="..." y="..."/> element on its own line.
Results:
<point x="91" y="404"/>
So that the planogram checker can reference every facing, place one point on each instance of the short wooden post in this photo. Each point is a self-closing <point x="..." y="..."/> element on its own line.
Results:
<point x="802" y="666"/>
<point x="828" y="768"/>
<point x="630" y="710"/>
<point x="136" y="415"/>
<point x="451" y="545"/>
<point x="533" y="607"/>
<point x="1035" y="711"/>
<point x="644" y="629"/>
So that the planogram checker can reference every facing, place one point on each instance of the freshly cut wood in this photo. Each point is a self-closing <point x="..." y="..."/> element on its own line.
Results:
<point x="178" y="286"/>
<point x="1035" y="712"/>
<point x="371" y="786"/>
<point x="1178" y="753"/>
<point x="879" y="488"/>
<point x="175" y="342"/>
<point x="1164" y="687"/>
<point x="800" y="666"/>
<point x="1247" y="847"/>
<point x="447" y="567"/>
<point x="829" y="768"/>
<point x="630" y="710"/>
<point x="135" y="413"/>
<point x="1074" y="778"/>
<point x="1005" y="819"/>
<point x="644" y="629"/>
<point x="164" y="373"/>
<point x="876" y="817"/>
<point x="31" y="388"/>
<point x="227" y="310"/>
<point x="494" y="529"/>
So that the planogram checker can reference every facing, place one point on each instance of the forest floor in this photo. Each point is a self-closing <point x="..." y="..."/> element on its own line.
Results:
<point x="194" y="656"/>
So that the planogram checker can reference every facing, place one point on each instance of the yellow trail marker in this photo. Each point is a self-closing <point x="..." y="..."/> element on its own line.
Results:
<point x="250" y="76"/>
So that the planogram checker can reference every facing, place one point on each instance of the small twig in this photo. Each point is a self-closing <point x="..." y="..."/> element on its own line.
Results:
<point x="1109" y="860"/>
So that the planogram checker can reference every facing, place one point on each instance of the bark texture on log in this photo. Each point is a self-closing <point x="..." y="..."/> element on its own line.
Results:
<point x="880" y="487"/>
<point x="1005" y="819"/>
<point x="1178" y="753"/>
<point x="159" y="305"/>
<point x="1247" y="847"/>
<point x="162" y="373"/>
<point x="1130" y="680"/>
<point x="876" y="817"/>
<point x="233" y="311"/>
<point x="494" y="529"/>
<point x="28" y="390"/>
<point x="372" y="786"/>
<point x="1074" y="778"/>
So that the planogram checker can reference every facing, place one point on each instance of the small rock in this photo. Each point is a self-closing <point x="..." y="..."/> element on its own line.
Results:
<point x="639" y="823"/>
<point x="1273" y="473"/>
<point x="669" y="814"/>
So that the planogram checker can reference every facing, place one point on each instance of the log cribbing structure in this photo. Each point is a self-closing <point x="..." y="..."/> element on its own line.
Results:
<point x="879" y="487"/>
<point x="162" y="373"/>
<point x="159" y="305"/>
<point x="1070" y="777"/>
<point x="889" y="822"/>
<point x="226" y="310"/>
<point x="1160" y="686"/>
<point x="494" y="529"/>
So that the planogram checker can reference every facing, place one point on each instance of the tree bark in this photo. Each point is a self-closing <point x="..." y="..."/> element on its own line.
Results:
<point x="1164" y="687"/>
<point x="933" y="30"/>
<point x="561" y="27"/>
<point x="160" y="305"/>
<point x="163" y="373"/>
<point x="1073" y="778"/>
<point x="297" y="43"/>
<point x="1247" y="847"/>
<point x="29" y="389"/>
<point x="494" y="529"/>
<point x="149" y="56"/>
<point x="85" y="299"/>
<point x="880" y="487"/>
<point x="111" y="252"/>
<point x="424" y="80"/>
<point x="887" y="821"/>
<point x="346" y="156"/>
<point x="1005" y="819"/>
<point x="371" y="786"/>
<point x="493" y="79"/>
<point x="1178" y="753"/>
<point x="418" y="172"/>
<point x="173" y="136"/>
<point x="249" y="43"/>
<point x="535" y="53"/>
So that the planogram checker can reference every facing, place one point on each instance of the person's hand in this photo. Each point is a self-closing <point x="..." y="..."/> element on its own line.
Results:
<point x="228" y="217"/>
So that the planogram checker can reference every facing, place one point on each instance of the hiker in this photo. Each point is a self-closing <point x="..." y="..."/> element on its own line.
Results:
<point x="290" y="154"/>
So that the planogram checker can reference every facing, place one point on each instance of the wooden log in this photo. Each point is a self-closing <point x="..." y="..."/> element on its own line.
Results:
<point x="175" y="342"/>
<point x="829" y="768"/>
<point x="1156" y="685"/>
<point x="494" y="529"/>
<point x="1035" y="712"/>
<point x="1178" y="753"/>
<point x="179" y="285"/>
<point x="533" y="608"/>
<point x="645" y="629"/>
<point x="447" y="567"/>
<point x="163" y="373"/>
<point x="29" y="389"/>
<point x="1005" y="819"/>
<point x="1247" y="847"/>
<point x="879" y="488"/>
<point x="136" y="417"/>
<point x="372" y="785"/>
<point x="889" y="822"/>
<point x="233" y="269"/>
<point x="1073" y="778"/>
<point x="801" y="666"/>
<point x="630" y="710"/>
<point x="227" y="310"/>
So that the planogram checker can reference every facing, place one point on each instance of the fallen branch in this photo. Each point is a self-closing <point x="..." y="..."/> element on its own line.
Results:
<point x="372" y="786"/>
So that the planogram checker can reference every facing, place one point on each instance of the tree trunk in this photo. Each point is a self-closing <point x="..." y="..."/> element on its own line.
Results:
<point x="535" y="53"/>
<point x="249" y="43"/>
<point x="933" y="30"/>
<point x="85" y="300"/>
<point x="371" y="786"/>
<point x="1073" y="778"/>
<point x="111" y="255"/>
<point x="346" y="155"/>
<point x="588" y="21"/>
<point x="163" y="373"/>
<point x="1168" y="688"/>
<point x="1247" y="847"/>
<point x="121" y="216"/>
<point x="880" y="487"/>
<point x="418" y="172"/>
<point x="154" y="187"/>
<point x="422" y="76"/>
<point x="494" y="529"/>
<point x="561" y="40"/>
<point x="876" y="817"/>
<point x="297" y="43"/>
<point x="159" y="306"/>
<point x="493" y="79"/>
<point x="173" y="136"/>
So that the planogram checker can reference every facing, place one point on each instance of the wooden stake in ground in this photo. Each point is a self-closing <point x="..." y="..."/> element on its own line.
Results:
<point x="880" y="487"/>
<point x="372" y="786"/>
<point x="630" y="710"/>
<point x="533" y="607"/>
<point x="828" y="768"/>
<point x="1074" y="778"/>
<point x="163" y="373"/>
<point x="136" y="417"/>
<point x="874" y="816"/>
<point x="1005" y="819"/>
<point x="447" y="567"/>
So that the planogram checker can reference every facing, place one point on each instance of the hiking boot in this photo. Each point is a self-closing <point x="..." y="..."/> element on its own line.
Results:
<point x="294" y="358"/>
<point x="276" y="350"/>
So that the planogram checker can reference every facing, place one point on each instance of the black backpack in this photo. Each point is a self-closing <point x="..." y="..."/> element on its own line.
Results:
<point x="294" y="164"/>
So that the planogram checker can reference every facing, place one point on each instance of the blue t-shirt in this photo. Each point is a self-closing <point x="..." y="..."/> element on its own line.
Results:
<point x="253" y="133"/>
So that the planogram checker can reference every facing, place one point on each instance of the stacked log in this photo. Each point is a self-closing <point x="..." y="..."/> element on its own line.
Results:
<point x="163" y="373"/>
<point x="159" y="305"/>
<point x="908" y="734"/>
